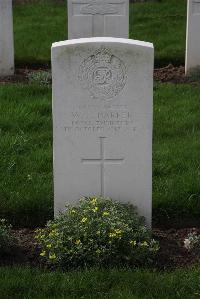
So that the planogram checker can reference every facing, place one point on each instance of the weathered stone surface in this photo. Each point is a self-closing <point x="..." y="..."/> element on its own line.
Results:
<point x="6" y="38"/>
<point x="102" y="119"/>
<point x="90" y="18"/>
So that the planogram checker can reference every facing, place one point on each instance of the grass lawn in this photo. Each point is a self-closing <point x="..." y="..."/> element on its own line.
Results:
<point x="26" y="183"/>
<point x="37" y="26"/>
<point x="124" y="284"/>
<point x="26" y="154"/>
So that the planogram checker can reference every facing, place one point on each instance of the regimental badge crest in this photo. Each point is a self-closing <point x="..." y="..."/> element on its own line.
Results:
<point x="99" y="7"/>
<point x="102" y="74"/>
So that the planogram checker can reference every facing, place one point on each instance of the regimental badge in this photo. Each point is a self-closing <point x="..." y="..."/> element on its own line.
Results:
<point x="102" y="74"/>
<point x="99" y="8"/>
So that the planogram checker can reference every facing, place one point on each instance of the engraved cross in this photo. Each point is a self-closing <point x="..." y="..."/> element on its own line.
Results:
<point x="99" y="9"/>
<point x="102" y="161"/>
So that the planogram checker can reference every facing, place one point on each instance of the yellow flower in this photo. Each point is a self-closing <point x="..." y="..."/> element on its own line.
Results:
<point x="98" y="251"/>
<point x="94" y="201"/>
<point x="54" y="225"/>
<point x="53" y="233"/>
<point x="112" y="235"/>
<point x="48" y="245"/>
<point x="77" y="242"/>
<point x="106" y="213"/>
<point x="84" y="219"/>
<point x="144" y="243"/>
<point x="133" y="243"/>
<point x="52" y="256"/>
<point x="95" y="209"/>
<point x="43" y="253"/>
<point x="72" y="211"/>
<point x="118" y="231"/>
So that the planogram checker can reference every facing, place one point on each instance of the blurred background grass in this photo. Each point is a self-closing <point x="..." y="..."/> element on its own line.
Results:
<point x="38" y="25"/>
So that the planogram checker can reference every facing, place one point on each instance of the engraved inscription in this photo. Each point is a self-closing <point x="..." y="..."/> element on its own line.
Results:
<point x="196" y="6"/>
<point x="102" y="161"/>
<point x="114" y="121"/>
<point x="103" y="74"/>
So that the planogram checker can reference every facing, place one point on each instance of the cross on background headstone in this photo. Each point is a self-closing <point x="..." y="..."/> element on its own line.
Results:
<point x="102" y="161"/>
<point x="88" y="18"/>
<point x="99" y="10"/>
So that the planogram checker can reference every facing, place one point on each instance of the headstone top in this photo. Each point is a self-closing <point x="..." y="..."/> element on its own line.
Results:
<point x="103" y="40"/>
<point x="90" y="18"/>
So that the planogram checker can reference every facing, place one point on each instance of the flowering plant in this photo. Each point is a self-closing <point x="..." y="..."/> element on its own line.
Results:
<point x="40" y="77"/>
<point x="97" y="231"/>
<point x="192" y="241"/>
<point x="5" y="236"/>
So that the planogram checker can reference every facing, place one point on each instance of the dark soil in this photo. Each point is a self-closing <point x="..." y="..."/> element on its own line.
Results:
<point x="24" y="252"/>
<point x="166" y="74"/>
<point x="174" y="75"/>
<point x="172" y="253"/>
<point x="21" y="75"/>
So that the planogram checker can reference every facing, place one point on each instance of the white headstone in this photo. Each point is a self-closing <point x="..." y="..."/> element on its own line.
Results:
<point x="6" y="38"/>
<point x="102" y="120"/>
<point x="193" y="36"/>
<point x="90" y="18"/>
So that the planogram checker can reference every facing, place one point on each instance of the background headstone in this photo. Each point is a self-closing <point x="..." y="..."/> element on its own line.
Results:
<point x="6" y="38"/>
<point x="193" y="36"/>
<point x="90" y="18"/>
<point x="102" y="119"/>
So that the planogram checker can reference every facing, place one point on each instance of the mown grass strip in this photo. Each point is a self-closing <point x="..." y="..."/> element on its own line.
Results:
<point x="19" y="282"/>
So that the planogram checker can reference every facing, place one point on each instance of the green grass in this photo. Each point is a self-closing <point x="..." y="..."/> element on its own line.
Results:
<point x="164" y="24"/>
<point x="37" y="26"/>
<point x="26" y="154"/>
<point x="117" y="284"/>
<point x="26" y="183"/>
<point x="176" y="163"/>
